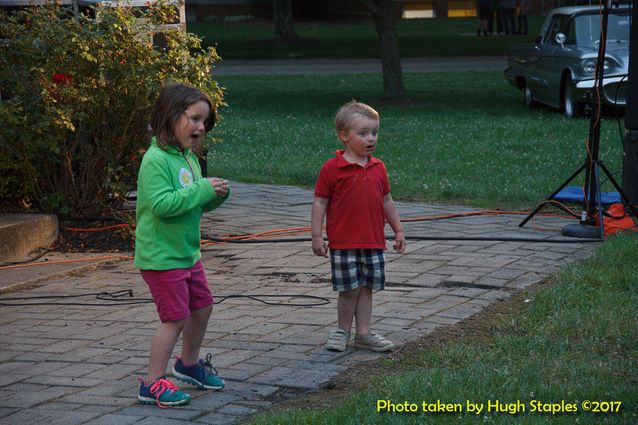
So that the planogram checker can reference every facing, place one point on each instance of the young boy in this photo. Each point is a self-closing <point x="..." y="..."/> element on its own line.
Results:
<point x="353" y="193"/>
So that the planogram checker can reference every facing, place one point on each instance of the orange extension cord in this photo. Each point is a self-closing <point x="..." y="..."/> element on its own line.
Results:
<point x="280" y="232"/>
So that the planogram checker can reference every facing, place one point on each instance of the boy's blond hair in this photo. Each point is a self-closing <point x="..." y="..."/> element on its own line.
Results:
<point x="348" y="112"/>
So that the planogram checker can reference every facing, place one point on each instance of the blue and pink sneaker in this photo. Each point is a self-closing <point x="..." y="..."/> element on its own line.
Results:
<point x="202" y="374"/>
<point x="163" y="393"/>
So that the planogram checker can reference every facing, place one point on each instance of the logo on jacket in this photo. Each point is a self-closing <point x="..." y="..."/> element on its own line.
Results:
<point x="185" y="177"/>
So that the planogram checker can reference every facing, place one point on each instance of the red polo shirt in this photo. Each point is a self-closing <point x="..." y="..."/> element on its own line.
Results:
<point x="355" y="217"/>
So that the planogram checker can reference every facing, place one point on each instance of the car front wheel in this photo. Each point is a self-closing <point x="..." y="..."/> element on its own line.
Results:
<point x="527" y="96"/>
<point x="570" y="107"/>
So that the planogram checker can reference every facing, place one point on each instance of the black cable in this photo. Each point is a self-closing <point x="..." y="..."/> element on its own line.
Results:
<point x="43" y="252"/>
<point x="123" y="298"/>
<point x="320" y="300"/>
<point x="417" y="238"/>
<point x="476" y="238"/>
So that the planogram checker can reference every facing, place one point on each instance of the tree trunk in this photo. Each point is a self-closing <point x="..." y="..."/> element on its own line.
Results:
<point x="383" y="16"/>
<point x="441" y="8"/>
<point x="282" y="17"/>
<point x="76" y="9"/>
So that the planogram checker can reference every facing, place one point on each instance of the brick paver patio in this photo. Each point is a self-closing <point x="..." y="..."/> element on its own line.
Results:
<point x="79" y="364"/>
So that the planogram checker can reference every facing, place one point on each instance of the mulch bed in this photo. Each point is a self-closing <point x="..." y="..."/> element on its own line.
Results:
<point x="102" y="234"/>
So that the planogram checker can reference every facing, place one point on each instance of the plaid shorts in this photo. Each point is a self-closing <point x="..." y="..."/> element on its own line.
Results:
<point x="352" y="268"/>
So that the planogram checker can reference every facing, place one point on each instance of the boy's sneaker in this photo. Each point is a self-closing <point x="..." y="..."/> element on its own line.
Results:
<point x="163" y="393"/>
<point x="337" y="340"/>
<point x="203" y="374"/>
<point x="373" y="341"/>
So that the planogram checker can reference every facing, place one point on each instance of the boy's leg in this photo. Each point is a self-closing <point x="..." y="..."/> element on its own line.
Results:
<point x="363" y="312"/>
<point x="373" y="270"/>
<point x="193" y="334"/>
<point x="346" y="308"/>
<point x="162" y="347"/>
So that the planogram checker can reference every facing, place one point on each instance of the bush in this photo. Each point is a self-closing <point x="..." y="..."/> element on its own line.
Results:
<point x="76" y="96"/>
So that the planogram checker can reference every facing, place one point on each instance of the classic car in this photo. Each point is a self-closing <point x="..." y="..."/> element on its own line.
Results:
<point x="558" y="70"/>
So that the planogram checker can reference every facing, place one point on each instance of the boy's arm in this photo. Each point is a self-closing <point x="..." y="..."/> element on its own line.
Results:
<point x="394" y="221"/>
<point x="319" y="207"/>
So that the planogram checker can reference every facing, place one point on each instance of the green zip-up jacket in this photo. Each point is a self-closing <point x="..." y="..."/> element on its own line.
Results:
<point x="171" y="198"/>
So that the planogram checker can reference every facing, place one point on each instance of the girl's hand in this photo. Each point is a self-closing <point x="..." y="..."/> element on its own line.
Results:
<point x="220" y="186"/>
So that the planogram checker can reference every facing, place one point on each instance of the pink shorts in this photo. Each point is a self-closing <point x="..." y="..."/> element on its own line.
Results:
<point x="179" y="291"/>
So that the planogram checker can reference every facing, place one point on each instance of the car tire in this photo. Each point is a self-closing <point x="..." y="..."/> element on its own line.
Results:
<point x="527" y="96"/>
<point x="569" y="106"/>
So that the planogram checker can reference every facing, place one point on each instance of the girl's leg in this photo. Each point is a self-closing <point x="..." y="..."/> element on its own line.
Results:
<point x="363" y="312"/>
<point x="162" y="347"/>
<point x="193" y="334"/>
<point x="346" y="307"/>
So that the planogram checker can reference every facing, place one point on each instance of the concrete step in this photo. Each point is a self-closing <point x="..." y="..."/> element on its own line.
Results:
<point x="23" y="236"/>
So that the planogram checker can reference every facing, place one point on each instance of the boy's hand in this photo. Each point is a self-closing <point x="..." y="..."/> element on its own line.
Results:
<point x="399" y="242"/>
<point x="319" y="246"/>
<point x="220" y="186"/>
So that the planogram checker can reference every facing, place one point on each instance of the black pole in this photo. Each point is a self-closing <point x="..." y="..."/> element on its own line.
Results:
<point x="589" y="227"/>
<point x="630" y="145"/>
<point x="593" y="142"/>
<point x="203" y="162"/>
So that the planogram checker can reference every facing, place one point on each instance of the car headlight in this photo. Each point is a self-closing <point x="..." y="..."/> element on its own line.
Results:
<point x="589" y="65"/>
<point x="608" y="64"/>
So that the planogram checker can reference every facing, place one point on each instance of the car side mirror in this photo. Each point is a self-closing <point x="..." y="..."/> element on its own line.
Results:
<point x="539" y="39"/>
<point x="560" y="38"/>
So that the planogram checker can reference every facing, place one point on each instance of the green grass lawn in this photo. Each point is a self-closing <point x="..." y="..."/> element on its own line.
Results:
<point x="571" y="340"/>
<point x="357" y="39"/>
<point x="464" y="138"/>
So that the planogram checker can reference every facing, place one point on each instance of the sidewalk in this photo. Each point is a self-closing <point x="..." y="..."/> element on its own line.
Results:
<point x="79" y="364"/>
<point x="357" y="66"/>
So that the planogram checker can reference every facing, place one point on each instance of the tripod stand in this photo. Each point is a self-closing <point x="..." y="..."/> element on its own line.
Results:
<point x="592" y="209"/>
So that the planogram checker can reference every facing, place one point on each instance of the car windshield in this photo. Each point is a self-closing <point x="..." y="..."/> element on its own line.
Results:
<point x="588" y="29"/>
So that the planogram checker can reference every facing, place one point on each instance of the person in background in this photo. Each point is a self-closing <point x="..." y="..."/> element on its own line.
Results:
<point x="495" y="15"/>
<point x="523" y="10"/>
<point x="508" y="10"/>
<point x="483" y="15"/>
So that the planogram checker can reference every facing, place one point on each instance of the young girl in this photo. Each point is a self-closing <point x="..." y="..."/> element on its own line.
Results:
<point x="171" y="197"/>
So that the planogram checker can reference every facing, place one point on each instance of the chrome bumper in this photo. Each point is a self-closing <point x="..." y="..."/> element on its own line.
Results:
<point x="614" y="90"/>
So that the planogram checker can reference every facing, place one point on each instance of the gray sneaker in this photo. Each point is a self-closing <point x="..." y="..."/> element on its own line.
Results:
<point x="337" y="340"/>
<point x="373" y="342"/>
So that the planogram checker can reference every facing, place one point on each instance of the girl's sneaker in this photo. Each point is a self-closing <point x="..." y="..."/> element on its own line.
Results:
<point x="163" y="393"/>
<point x="203" y="374"/>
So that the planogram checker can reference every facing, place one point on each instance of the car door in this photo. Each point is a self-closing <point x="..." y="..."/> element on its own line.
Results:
<point x="547" y="76"/>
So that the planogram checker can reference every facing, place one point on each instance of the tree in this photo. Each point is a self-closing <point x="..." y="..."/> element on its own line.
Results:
<point x="383" y="16"/>
<point x="76" y="97"/>
<point x="441" y="8"/>
<point x="282" y="17"/>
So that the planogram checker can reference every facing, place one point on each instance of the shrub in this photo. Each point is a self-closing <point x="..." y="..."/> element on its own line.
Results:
<point x="76" y="94"/>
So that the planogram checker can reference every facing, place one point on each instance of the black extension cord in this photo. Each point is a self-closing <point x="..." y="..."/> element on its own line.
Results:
<point x="416" y="238"/>
<point x="123" y="297"/>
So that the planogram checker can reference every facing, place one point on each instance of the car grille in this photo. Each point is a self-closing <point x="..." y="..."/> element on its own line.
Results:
<point x="615" y="93"/>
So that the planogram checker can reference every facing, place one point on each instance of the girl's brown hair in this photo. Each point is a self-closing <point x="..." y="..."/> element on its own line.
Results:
<point x="173" y="100"/>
